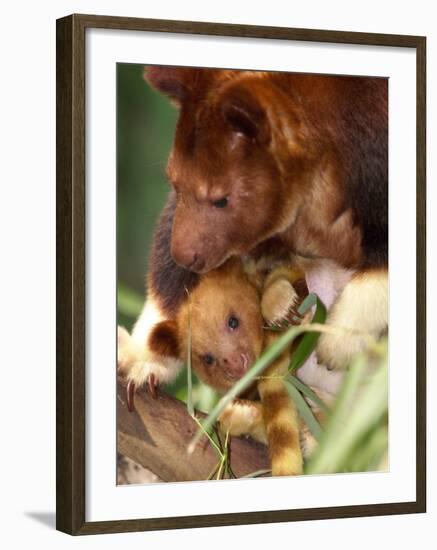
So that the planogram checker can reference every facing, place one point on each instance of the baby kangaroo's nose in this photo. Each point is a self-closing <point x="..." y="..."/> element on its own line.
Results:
<point x="236" y="364"/>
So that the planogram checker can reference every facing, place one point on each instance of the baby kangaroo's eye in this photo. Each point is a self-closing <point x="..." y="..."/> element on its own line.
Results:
<point x="220" y="203"/>
<point x="233" y="322"/>
<point x="208" y="359"/>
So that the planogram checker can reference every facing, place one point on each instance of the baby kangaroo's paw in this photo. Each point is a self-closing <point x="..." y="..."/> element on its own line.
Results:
<point x="278" y="301"/>
<point x="140" y="366"/>
<point x="308" y="443"/>
<point x="243" y="417"/>
<point x="150" y="371"/>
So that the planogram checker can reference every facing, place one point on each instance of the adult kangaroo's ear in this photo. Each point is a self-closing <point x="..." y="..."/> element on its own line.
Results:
<point x="242" y="109"/>
<point x="171" y="81"/>
<point x="180" y="84"/>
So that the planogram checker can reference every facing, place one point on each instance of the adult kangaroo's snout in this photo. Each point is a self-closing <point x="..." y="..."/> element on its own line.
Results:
<point x="186" y="252"/>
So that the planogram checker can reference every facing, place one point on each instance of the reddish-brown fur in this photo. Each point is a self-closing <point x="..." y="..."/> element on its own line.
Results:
<point x="302" y="158"/>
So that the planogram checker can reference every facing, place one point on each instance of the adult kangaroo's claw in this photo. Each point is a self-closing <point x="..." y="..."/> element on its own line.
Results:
<point x="152" y="383"/>
<point x="130" y="395"/>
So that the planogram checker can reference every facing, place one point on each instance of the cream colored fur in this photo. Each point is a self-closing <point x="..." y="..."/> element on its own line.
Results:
<point x="243" y="417"/>
<point x="361" y="308"/>
<point x="277" y="300"/>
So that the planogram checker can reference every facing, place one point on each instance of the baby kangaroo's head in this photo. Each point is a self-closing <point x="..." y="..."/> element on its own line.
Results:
<point x="224" y="316"/>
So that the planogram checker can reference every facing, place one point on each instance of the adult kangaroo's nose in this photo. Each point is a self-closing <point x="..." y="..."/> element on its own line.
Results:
<point x="187" y="257"/>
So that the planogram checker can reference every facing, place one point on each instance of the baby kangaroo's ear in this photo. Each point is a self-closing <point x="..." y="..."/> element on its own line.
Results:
<point x="164" y="340"/>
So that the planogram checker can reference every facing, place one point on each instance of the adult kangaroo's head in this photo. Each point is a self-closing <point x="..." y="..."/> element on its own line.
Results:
<point x="248" y="157"/>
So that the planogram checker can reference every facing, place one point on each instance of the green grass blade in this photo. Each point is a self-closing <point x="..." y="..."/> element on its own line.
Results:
<point x="210" y="437"/>
<point x="308" y="393"/>
<point x="190" y="406"/>
<point x="326" y="459"/>
<point x="258" y="473"/>
<point x="368" y="454"/>
<point x="361" y="406"/>
<point x="304" y="410"/>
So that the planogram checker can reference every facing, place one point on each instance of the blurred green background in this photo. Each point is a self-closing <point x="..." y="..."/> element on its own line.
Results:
<point x="145" y="127"/>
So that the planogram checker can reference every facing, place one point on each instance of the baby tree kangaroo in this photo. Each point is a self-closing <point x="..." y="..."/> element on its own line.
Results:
<point x="225" y="314"/>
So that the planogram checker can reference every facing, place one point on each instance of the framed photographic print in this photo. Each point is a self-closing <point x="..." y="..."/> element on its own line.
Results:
<point x="240" y="219"/>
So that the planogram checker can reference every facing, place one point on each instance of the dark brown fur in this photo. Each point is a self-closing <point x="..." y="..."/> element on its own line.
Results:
<point x="163" y="339"/>
<point x="168" y="281"/>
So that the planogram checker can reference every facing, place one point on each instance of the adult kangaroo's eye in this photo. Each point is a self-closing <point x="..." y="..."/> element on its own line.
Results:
<point x="220" y="203"/>
<point x="233" y="322"/>
<point x="208" y="359"/>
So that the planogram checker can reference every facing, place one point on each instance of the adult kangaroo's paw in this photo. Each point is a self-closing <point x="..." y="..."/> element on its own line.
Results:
<point x="362" y="310"/>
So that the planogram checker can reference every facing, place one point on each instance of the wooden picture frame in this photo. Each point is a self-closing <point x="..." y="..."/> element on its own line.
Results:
<point x="71" y="283"/>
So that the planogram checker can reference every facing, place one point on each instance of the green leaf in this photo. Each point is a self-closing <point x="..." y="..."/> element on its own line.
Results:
<point x="308" y="393"/>
<point x="308" y="342"/>
<point x="304" y="409"/>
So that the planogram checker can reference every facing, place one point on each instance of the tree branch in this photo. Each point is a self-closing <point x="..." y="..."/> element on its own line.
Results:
<point x="156" y="435"/>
